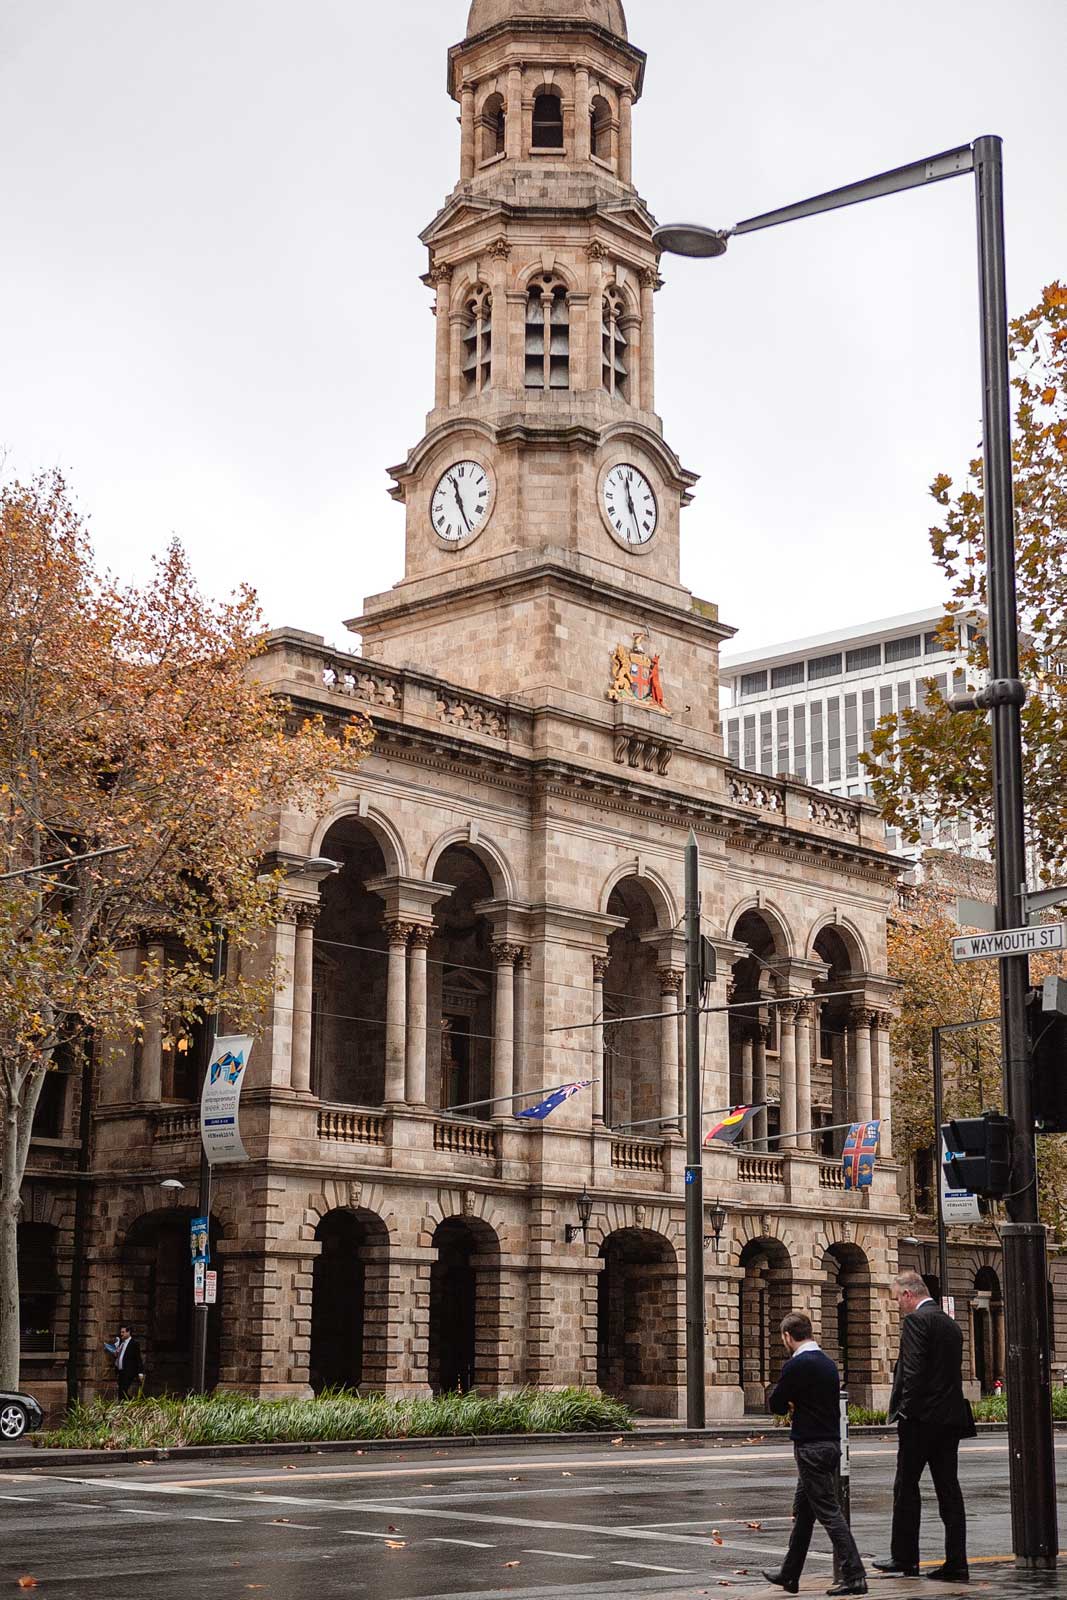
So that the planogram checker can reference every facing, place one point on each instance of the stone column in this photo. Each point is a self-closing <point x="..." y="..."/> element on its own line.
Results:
<point x="600" y="972"/>
<point x="626" y="141"/>
<point x="281" y="1013"/>
<point x="670" y="989"/>
<point x="748" y="1045"/>
<point x="396" y="1007"/>
<point x="415" y="1051"/>
<point x="787" y="1075"/>
<point x="513" y="134"/>
<point x="594" y="349"/>
<point x="499" y="255"/>
<point x="303" y="996"/>
<point x="759" y="1084"/>
<point x="149" y="1088"/>
<point x="466" y="145"/>
<point x="861" y="1033"/>
<point x="504" y="959"/>
<point x="441" y="277"/>
<point x="883" y="1082"/>
<point x="804" y="1042"/>
<point x="583" y="129"/>
<point x="649" y="284"/>
<point x="457" y="323"/>
<point x="522" y="1001"/>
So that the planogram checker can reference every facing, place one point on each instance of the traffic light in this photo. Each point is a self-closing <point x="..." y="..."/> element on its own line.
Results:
<point x="1046" y="1021"/>
<point x="978" y="1154"/>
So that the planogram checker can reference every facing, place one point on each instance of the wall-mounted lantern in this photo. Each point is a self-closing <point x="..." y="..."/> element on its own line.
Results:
<point x="585" y="1211"/>
<point x="716" y="1222"/>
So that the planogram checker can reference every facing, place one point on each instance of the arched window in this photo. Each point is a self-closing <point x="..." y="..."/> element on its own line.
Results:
<point x="616" y="371"/>
<point x="548" y="121"/>
<point x="478" y="341"/>
<point x="548" y="335"/>
<point x="493" y="124"/>
<point x="600" y="118"/>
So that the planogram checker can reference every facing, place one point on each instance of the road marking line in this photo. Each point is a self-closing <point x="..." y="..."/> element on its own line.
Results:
<point x="22" y="1499"/>
<point x="357" y="1533"/>
<point x="471" y="1544"/>
<point x="235" y="1520"/>
<point x="559" y="1555"/>
<point x="305" y="1527"/>
<point x="644" y="1566"/>
<point x="137" y="1511"/>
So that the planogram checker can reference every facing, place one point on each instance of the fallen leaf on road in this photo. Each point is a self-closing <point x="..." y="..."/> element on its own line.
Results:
<point x="616" y="1441"/>
<point x="513" y="1563"/>
<point x="280" y="1519"/>
<point x="290" y="1469"/>
<point x="514" y="1480"/>
<point x="392" y="1528"/>
<point x="716" y="1536"/>
<point x="568" y="1474"/>
<point x="755" y="1526"/>
<point x="27" y="1583"/>
<point x="396" y="1544"/>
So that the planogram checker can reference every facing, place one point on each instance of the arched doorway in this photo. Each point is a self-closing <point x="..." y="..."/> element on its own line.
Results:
<point x="833" y="1073"/>
<point x="460" y="989"/>
<point x="754" y="1033"/>
<point x="632" y="1051"/>
<point x="350" y="972"/>
<point x="848" y="1315"/>
<point x="638" y="1324"/>
<point x="987" y="1329"/>
<point x="464" y="1307"/>
<point x="157" y="1299"/>
<point x="766" y="1292"/>
<point x="349" y="1283"/>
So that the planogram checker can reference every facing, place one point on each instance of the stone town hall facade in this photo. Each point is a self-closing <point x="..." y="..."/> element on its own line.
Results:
<point x="545" y="695"/>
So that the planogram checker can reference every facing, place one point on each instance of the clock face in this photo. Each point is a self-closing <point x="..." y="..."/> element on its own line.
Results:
<point x="630" y="505"/>
<point x="461" y="502"/>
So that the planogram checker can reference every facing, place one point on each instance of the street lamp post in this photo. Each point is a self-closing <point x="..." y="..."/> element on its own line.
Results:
<point x="1032" y="1462"/>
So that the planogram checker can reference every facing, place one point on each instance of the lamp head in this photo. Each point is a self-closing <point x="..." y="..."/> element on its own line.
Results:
<point x="691" y="239"/>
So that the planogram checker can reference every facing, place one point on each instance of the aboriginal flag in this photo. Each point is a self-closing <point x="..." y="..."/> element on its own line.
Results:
<point x="730" y="1129"/>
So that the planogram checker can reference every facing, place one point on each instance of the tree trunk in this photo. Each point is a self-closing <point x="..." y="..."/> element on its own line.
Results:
<point x="9" y="1245"/>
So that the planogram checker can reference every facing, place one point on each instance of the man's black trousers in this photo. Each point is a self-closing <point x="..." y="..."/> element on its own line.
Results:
<point x="919" y="1446"/>
<point x="816" y="1501"/>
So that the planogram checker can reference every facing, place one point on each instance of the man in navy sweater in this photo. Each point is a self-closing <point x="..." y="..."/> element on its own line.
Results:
<point x="810" y="1389"/>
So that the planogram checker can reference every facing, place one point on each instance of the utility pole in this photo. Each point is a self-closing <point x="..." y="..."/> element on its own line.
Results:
<point x="202" y="1312"/>
<point x="1030" y="1436"/>
<point x="694" y="1155"/>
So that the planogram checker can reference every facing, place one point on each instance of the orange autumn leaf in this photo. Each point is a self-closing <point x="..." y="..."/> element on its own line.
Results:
<point x="27" y="1583"/>
<point x="1048" y="396"/>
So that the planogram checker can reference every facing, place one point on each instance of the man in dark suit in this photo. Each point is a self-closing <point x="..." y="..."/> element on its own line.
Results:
<point x="932" y="1416"/>
<point x="129" y="1365"/>
<point x="810" y="1388"/>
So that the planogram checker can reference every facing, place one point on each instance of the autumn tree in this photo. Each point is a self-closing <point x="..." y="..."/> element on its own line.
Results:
<point x="929" y="762"/>
<point x="937" y="991"/>
<point x="127" y="718"/>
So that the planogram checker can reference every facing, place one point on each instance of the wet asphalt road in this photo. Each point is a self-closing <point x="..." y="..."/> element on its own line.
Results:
<point x="545" y="1523"/>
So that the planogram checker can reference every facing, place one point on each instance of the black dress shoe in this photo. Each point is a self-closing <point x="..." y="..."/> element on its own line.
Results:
<point x="892" y="1569"/>
<point x="849" y="1586"/>
<point x="790" y="1585"/>
<point x="949" y="1575"/>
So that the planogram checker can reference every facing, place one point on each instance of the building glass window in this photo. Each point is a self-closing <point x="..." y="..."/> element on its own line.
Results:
<point x="734" y="741"/>
<point x="615" y="369"/>
<point x="750" y="745"/>
<point x="753" y="683"/>
<point x="478" y="342"/>
<point x="885" y="698"/>
<point x="783" y="741"/>
<point x="860" y="660"/>
<point x="852" y="737"/>
<point x="548" y="121"/>
<point x="937" y="646"/>
<point x="833" y="741"/>
<point x="824" y="667"/>
<point x="39" y="1286"/>
<point x="903" y="697"/>
<point x="870" y="719"/>
<point x="904" y="649"/>
<point x="766" y="743"/>
<point x="800" y="754"/>
<point x="787" y="677"/>
<point x="548" y="336"/>
<point x="818" y="770"/>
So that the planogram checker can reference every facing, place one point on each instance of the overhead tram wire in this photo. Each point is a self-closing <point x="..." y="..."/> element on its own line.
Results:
<point x="711" y="1011"/>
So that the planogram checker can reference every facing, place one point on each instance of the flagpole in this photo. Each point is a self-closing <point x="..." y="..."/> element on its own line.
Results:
<point x="508" y="1099"/>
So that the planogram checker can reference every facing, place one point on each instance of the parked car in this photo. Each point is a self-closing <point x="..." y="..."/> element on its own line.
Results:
<point x="19" y="1414"/>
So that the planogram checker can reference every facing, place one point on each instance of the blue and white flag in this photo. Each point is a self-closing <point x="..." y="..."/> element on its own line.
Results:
<point x="552" y="1102"/>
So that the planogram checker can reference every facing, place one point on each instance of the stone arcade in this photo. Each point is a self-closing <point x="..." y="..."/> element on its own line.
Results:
<point x="545" y="694"/>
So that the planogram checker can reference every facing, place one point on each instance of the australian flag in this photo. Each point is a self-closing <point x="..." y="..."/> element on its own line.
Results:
<point x="553" y="1101"/>
<point x="860" y="1154"/>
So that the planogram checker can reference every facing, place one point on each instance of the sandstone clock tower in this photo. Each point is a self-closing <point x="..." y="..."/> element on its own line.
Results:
<point x="543" y="502"/>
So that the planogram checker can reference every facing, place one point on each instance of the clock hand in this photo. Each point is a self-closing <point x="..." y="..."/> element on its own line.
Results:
<point x="459" y="502"/>
<point x="630" y="503"/>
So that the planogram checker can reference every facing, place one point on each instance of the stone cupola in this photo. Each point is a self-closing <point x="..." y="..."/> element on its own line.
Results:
<point x="607" y="14"/>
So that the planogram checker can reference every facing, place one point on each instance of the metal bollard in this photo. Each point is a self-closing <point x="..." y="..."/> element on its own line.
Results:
<point x="844" y="1473"/>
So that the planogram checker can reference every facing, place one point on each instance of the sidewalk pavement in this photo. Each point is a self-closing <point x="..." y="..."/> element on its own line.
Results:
<point x="989" y="1579"/>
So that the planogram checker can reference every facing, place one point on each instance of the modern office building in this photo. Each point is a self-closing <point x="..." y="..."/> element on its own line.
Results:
<point x="808" y="708"/>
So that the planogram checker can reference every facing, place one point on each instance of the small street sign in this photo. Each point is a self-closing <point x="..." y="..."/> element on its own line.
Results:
<point x="199" y="1272"/>
<point x="211" y="1288"/>
<point x="1010" y="942"/>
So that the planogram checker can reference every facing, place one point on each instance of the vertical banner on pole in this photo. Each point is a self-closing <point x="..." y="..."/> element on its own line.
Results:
<point x="221" y="1101"/>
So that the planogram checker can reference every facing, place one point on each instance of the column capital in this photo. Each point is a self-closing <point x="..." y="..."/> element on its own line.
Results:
<point x="671" y="981"/>
<point x="398" y="933"/>
<point x="863" y="1016"/>
<point x="307" y="914"/>
<point x="506" y="955"/>
<point x="420" y="936"/>
<point x="791" y="1011"/>
<point x="600" y="968"/>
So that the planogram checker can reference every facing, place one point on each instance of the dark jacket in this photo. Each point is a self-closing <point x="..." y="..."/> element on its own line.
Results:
<point x="928" y="1380"/>
<point x="811" y="1382"/>
<point x="133" y="1364"/>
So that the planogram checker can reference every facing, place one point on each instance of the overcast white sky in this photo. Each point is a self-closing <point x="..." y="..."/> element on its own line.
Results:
<point x="211" y="316"/>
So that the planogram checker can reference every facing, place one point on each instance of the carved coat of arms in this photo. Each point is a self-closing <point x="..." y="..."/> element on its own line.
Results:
<point x="635" y="674"/>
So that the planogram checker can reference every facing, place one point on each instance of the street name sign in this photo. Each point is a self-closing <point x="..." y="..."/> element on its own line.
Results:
<point x="1010" y="942"/>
